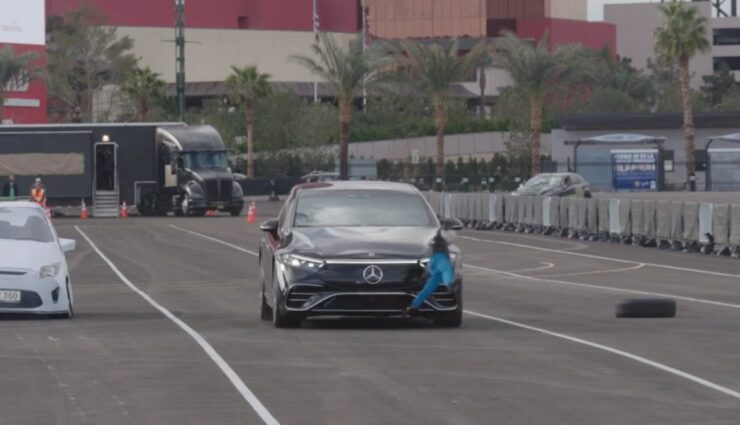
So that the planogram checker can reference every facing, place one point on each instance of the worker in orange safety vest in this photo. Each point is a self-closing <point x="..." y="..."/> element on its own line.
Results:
<point x="38" y="193"/>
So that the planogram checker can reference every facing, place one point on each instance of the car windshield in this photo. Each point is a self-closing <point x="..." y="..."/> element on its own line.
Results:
<point x="202" y="160"/>
<point x="24" y="224"/>
<point x="353" y="208"/>
<point x="542" y="181"/>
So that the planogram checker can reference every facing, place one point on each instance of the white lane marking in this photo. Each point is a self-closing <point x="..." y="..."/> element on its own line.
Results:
<point x="639" y="359"/>
<point x="602" y="288"/>
<point x="534" y="269"/>
<point x="623" y="269"/>
<point x="212" y="239"/>
<point x="575" y="246"/>
<point x="235" y="380"/>
<point x="598" y="257"/>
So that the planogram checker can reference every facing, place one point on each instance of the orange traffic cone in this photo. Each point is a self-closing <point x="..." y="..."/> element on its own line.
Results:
<point x="124" y="210"/>
<point x="84" y="213"/>
<point x="251" y="213"/>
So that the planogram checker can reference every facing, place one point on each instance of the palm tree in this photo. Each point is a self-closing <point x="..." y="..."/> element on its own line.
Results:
<point x="346" y="70"/>
<point x="247" y="85"/>
<point x="485" y="61"/>
<point x="537" y="73"/>
<point x="143" y="85"/>
<point x="682" y="36"/>
<point x="432" y="69"/>
<point x="19" y="68"/>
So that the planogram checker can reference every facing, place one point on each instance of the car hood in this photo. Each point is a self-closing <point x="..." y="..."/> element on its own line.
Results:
<point x="362" y="242"/>
<point x="28" y="255"/>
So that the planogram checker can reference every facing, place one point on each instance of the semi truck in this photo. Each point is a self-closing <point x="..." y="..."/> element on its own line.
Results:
<point x="158" y="167"/>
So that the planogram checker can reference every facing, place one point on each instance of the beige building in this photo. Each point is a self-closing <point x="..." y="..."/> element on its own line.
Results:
<point x="636" y="24"/>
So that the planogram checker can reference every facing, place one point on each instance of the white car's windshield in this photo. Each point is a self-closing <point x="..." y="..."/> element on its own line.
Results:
<point x="24" y="223"/>
<point x="345" y="208"/>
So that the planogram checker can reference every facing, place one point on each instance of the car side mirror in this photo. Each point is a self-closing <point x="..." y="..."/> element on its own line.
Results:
<point x="270" y="226"/>
<point x="452" y="224"/>
<point x="68" y="244"/>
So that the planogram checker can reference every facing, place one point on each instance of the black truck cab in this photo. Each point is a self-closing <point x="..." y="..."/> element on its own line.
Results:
<point x="194" y="174"/>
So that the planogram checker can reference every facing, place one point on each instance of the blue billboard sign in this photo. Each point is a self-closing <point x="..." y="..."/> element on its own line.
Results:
<point x="635" y="170"/>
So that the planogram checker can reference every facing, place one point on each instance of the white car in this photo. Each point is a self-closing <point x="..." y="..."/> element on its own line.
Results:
<point x="34" y="277"/>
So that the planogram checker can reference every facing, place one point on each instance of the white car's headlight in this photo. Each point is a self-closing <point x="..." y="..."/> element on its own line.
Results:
<point x="50" y="270"/>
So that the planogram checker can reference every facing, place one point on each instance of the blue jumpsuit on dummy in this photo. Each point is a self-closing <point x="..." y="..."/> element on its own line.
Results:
<point x="440" y="271"/>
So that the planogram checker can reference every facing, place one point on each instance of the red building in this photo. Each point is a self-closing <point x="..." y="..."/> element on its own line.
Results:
<point x="22" y="27"/>
<point x="286" y="15"/>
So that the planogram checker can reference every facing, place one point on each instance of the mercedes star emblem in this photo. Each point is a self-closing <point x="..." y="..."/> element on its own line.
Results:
<point x="372" y="275"/>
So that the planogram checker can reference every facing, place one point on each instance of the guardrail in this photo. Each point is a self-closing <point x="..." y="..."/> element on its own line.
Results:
<point x="709" y="228"/>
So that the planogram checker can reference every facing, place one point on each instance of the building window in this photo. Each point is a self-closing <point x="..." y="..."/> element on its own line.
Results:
<point x="732" y="62"/>
<point x="726" y="36"/>
<point x="243" y="22"/>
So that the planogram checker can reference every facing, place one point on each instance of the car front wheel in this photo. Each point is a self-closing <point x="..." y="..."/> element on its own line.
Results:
<point x="280" y="317"/>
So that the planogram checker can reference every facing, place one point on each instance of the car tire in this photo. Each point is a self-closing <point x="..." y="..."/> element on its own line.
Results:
<point x="646" y="308"/>
<point x="280" y="317"/>
<point x="451" y="319"/>
<point x="265" y="309"/>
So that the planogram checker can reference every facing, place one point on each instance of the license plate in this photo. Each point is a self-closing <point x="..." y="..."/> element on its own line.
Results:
<point x="10" y="297"/>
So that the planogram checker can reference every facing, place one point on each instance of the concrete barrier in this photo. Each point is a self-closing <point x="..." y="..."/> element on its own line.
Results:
<point x="649" y="218"/>
<point x="721" y="229"/>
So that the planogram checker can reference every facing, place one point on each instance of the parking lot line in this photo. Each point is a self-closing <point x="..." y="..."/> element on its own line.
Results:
<point x="639" y="359"/>
<point x="602" y="288"/>
<point x="598" y="257"/>
<point x="219" y="241"/>
<point x="232" y="376"/>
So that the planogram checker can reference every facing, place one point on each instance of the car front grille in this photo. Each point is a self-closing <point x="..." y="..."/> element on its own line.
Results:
<point x="355" y="302"/>
<point x="349" y="277"/>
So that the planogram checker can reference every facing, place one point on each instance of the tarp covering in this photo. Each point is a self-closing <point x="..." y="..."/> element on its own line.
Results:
<point x="625" y="217"/>
<point x="521" y="211"/>
<point x="677" y="221"/>
<point x="636" y="215"/>
<point x="663" y="220"/>
<point x="537" y="218"/>
<point x="592" y="218"/>
<point x="564" y="213"/>
<point x="603" y="207"/>
<point x="555" y="205"/>
<point x="499" y="200"/>
<point x="42" y="164"/>
<point x="572" y="213"/>
<point x="510" y="206"/>
<point x="546" y="218"/>
<point x="649" y="228"/>
<point x="735" y="224"/>
<point x="615" y="227"/>
<point x="705" y="221"/>
<point x="581" y="214"/>
<point x="690" y="221"/>
<point x="721" y="225"/>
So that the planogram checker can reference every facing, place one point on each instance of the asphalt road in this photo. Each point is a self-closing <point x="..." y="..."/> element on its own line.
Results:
<point x="172" y="336"/>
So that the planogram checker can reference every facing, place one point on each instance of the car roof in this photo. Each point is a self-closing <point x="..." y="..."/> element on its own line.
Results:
<point x="358" y="185"/>
<point x="17" y="204"/>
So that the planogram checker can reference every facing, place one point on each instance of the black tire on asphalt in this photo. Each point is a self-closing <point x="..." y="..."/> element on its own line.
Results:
<point x="646" y="308"/>
<point x="265" y="309"/>
<point x="452" y="319"/>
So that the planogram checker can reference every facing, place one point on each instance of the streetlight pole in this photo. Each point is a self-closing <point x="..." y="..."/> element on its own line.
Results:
<point x="180" y="56"/>
<point x="315" y="22"/>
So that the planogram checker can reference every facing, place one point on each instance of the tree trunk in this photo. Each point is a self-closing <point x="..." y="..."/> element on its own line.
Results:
<point x="440" y="120"/>
<point x="482" y="83"/>
<point x="535" y="126"/>
<point x="2" y="106"/>
<point x="250" y="139"/>
<point x="345" y="117"/>
<point x="143" y="109"/>
<point x="688" y="118"/>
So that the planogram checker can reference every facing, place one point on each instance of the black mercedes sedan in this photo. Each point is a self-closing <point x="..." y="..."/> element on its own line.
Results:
<point x="353" y="248"/>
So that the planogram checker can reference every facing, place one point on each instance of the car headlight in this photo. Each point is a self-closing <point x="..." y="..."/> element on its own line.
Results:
<point x="300" y="262"/>
<point x="50" y="270"/>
